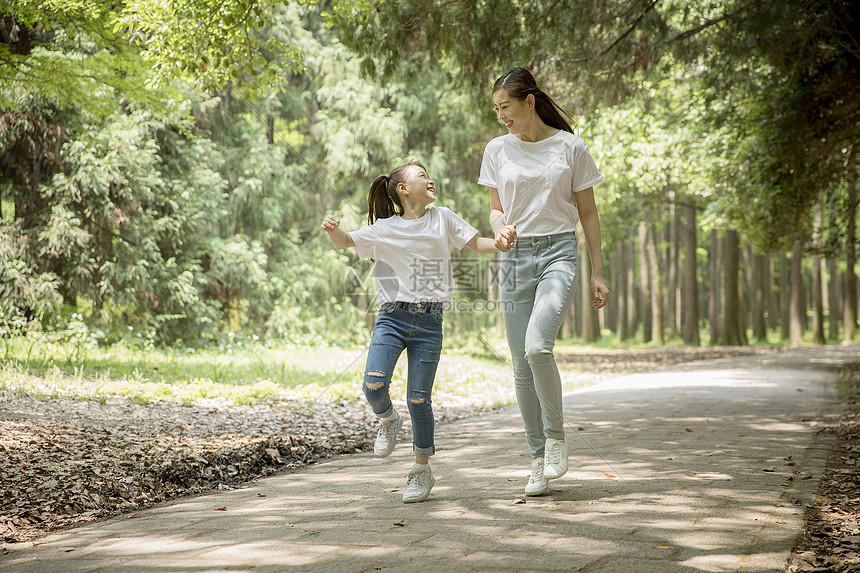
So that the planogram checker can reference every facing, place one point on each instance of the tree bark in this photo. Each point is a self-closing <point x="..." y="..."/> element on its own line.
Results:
<point x="733" y="334"/>
<point x="758" y="272"/>
<point x="834" y="300"/>
<point x="622" y="332"/>
<point x="817" y="290"/>
<point x="658" y="325"/>
<point x="691" y="286"/>
<point x="588" y="316"/>
<point x="714" y="289"/>
<point x="673" y="319"/>
<point x="849" y="319"/>
<point x="630" y="278"/>
<point x="644" y="284"/>
<point x="796" y="299"/>
<point x="784" y="296"/>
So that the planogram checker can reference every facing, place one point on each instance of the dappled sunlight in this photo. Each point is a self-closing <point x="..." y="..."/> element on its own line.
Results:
<point x="701" y="473"/>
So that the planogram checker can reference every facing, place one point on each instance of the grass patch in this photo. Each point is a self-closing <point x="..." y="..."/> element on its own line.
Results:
<point x="239" y="373"/>
<point x="848" y="382"/>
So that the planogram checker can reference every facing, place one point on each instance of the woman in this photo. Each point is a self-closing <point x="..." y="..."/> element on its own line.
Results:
<point x="540" y="177"/>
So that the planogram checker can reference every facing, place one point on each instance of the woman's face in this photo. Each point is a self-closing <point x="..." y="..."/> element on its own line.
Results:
<point x="516" y="114"/>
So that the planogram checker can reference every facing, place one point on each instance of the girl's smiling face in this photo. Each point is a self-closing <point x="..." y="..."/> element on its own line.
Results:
<point x="420" y="187"/>
<point x="515" y="114"/>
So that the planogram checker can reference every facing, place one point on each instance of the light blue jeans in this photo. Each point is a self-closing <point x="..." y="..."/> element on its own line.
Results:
<point x="416" y="328"/>
<point x="537" y="282"/>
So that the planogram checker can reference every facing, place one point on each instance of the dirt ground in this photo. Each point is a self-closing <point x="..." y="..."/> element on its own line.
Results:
<point x="64" y="463"/>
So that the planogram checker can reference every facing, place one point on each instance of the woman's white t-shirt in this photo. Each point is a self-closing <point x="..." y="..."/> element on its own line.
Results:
<point x="536" y="180"/>
<point x="413" y="256"/>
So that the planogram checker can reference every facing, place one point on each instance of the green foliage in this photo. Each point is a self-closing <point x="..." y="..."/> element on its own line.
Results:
<point x="212" y="44"/>
<point x="25" y="294"/>
<point x="68" y="54"/>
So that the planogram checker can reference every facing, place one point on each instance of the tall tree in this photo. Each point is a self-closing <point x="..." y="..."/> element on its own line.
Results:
<point x="690" y="296"/>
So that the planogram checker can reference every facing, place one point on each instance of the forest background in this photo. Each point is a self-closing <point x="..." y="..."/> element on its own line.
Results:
<point x="164" y="166"/>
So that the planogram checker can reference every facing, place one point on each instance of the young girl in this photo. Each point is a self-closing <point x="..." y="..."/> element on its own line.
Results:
<point x="412" y="247"/>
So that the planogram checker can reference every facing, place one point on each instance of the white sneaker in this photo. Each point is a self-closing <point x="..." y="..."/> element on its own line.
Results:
<point x="386" y="435"/>
<point x="418" y="486"/>
<point x="538" y="484"/>
<point x="555" y="458"/>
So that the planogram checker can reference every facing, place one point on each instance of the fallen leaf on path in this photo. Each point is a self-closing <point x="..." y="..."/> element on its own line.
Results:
<point x="133" y="515"/>
<point x="687" y="430"/>
<point x="261" y="495"/>
<point x="609" y="475"/>
<point x="520" y="501"/>
<point x="769" y="470"/>
<point x="400" y="523"/>
<point x="220" y="509"/>
<point x="391" y="490"/>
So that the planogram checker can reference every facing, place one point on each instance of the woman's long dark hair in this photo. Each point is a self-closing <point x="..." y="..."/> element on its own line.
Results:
<point x="519" y="83"/>
<point x="383" y="201"/>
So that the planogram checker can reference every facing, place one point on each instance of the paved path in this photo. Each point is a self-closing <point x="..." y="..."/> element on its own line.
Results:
<point x="705" y="467"/>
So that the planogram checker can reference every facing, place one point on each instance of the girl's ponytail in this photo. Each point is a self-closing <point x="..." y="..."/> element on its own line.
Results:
<point x="380" y="203"/>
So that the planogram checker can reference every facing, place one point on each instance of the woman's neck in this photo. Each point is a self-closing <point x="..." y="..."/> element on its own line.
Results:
<point x="538" y="131"/>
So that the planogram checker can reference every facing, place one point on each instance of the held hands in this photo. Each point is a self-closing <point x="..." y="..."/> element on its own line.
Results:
<point x="505" y="238"/>
<point x="329" y="224"/>
<point x="601" y="292"/>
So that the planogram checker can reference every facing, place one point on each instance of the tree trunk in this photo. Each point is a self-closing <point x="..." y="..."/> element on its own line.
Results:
<point x="849" y="319"/>
<point x="622" y="332"/>
<point x="644" y="284"/>
<point x="270" y="129"/>
<point x="658" y="326"/>
<point x="691" y="286"/>
<point x="784" y="297"/>
<point x="588" y="316"/>
<point x="733" y="334"/>
<point x="766" y="286"/>
<point x="817" y="290"/>
<point x="834" y="300"/>
<point x="758" y="301"/>
<point x="673" y="309"/>
<point x="714" y="289"/>
<point x="630" y="278"/>
<point x="796" y="302"/>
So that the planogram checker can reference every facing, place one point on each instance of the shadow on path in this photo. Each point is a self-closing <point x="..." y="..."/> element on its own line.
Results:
<point x="704" y="467"/>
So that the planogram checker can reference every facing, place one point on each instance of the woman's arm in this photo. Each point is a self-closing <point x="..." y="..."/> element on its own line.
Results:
<point x="340" y="239"/>
<point x="505" y="234"/>
<point x="591" y="227"/>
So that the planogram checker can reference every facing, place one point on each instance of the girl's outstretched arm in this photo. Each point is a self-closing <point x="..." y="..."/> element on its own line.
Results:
<point x="338" y="238"/>
<point x="482" y="245"/>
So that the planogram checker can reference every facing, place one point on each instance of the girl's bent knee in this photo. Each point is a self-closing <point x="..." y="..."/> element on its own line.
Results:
<point x="373" y="385"/>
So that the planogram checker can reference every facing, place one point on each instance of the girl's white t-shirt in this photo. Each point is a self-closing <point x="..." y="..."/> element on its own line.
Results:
<point x="537" y="180"/>
<point x="413" y="256"/>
